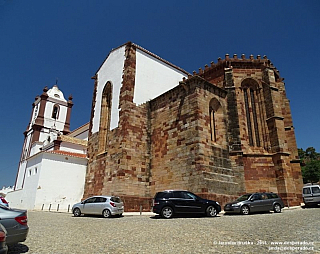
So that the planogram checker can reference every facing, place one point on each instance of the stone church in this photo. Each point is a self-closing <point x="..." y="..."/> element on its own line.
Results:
<point x="219" y="132"/>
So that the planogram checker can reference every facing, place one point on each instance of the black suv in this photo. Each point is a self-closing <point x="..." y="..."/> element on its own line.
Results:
<point x="170" y="202"/>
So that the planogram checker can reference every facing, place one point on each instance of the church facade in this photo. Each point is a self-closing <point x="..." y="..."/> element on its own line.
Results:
<point x="219" y="132"/>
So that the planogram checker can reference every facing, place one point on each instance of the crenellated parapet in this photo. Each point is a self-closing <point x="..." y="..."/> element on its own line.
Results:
<point x="241" y="62"/>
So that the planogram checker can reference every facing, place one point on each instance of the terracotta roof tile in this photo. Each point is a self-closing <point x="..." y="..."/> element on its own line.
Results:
<point x="78" y="155"/>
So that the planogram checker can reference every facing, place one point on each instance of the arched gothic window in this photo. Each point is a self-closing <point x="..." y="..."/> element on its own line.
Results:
<point x="55" y="112"/>
<point x="250" y="93"/>
<point x="105" y="115"/>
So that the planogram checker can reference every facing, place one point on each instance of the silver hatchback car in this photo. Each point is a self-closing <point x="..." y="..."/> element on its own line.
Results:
<point x="99" y="205"/>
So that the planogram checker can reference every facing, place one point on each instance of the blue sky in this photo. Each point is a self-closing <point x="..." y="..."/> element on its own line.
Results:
<point x="41" y="41"/>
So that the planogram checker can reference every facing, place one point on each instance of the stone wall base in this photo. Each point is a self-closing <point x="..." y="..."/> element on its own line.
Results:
<point x="143" y="204"/>
<point x="136" y="203"/>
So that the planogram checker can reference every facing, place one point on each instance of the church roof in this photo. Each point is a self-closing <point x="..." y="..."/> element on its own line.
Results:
<point x="73" y="140"/>
<point x="56" y="93"/>
<point x="81" y="129"/>
<point x="129" y="43"/>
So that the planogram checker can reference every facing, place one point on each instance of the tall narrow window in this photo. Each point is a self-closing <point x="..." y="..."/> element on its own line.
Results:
<point x="105" y="114"/>
<point x="212" y="125"/>
<point x="254" y="113"/>
<point x="246" y="101"/>
<point x="217" y="123"/>
<point x="55" y="112"/>
<point x="250" y="101"/>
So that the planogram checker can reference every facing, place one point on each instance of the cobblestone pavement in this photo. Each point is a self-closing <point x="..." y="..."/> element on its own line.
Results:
<point x="62" y="233"/>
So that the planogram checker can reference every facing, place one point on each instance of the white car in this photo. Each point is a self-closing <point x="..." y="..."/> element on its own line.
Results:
<point x="4" y="202"/>
<point x="311" y="194"/>
<point x="99" y="205"/>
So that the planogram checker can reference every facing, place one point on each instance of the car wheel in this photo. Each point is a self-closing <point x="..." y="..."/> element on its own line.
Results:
<point x="245" y="210"/>
<point x="167" y="212"/>
<point x="211" y="211"/>
<point x="106" y="213"/>
<point x="277" y="208"/>
<point x="76" y="212"/>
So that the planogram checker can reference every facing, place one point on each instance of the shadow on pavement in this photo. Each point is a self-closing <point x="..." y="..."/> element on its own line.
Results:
<point x="310" y="206"/>
<point x="184" y="216"/>
<point x="18" y="248"/>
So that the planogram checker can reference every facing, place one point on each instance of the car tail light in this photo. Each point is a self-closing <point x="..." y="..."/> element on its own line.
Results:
<point x="112" y="204"/>
<point x="23" y="220"/>
<point x="4" y="201"/>
<point x="2" y="237"/>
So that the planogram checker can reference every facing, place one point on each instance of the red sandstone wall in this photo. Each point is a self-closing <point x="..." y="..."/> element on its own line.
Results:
<point x="183" y="154"/>
<point x="166" y="143"/>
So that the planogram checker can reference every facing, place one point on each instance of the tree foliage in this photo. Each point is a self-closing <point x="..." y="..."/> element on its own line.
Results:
<point x="310" y="165"/>
<point x="311" y="172"/>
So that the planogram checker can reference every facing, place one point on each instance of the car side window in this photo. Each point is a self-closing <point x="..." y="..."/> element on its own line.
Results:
<point x="264" y="196"/>
<point x="256" y="197"/>
<point x="315" y="189"/>
<point x="190" y="195"/>
<point x="161" y="195"/>
<point x="306" y="191"/>
<point x="100" y="200"/>
<point x="272" y="195"/>
<point x="90" y="200"/>
<point x="180" y="194"/>
<point x="177" y="194"/>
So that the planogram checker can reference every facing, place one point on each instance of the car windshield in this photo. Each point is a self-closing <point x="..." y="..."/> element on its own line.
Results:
<point x="244" y="197"/>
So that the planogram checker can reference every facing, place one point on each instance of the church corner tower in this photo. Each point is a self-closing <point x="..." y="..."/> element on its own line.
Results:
<point x="260" y="128"/>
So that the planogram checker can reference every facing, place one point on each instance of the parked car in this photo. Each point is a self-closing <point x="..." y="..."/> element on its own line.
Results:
<point x="15" y="222"/>
<point x="99" y="205"/>
<point x="3" y="236"/>
<point x="255" y="202"/>
<point x="170" y="202"/>
<point x="4" y="202"/>
<point x="311" y="195"/>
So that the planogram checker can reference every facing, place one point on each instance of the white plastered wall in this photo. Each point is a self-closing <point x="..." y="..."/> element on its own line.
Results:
<point x="61" y="181"/>
<point x="111" y="70"/>
<point x="35" y="112"/>
<point x="73" y="148"/>
<point x="83" y="135"/>
<point x="54" y="179"/>
<point x="153" y="77"/>
<point x="25" y="198"/>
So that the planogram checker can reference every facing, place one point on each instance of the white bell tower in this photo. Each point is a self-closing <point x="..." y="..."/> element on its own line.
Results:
<point x="50" y="117"/>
